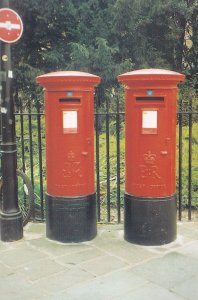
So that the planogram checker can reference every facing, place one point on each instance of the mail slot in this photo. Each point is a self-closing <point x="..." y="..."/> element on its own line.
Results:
<point x="150" y="179"/>
<point x="150" y="98"/>
<point x="69" y="100"/>
<point x="69" y="116"/>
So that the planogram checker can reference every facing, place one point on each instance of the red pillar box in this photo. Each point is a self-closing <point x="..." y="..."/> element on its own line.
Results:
<point x="150" y="186"/>
<point x="70" y="197"/>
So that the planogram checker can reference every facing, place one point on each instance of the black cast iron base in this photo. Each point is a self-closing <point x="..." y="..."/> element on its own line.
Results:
<point x="150" y="221"/>
<point x="11" y="227"/>
<point x="71" y="219"/>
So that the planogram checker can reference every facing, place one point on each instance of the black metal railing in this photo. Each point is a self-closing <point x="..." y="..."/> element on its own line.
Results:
<point x="109" y="158"/>
<point x="113" y="208"/>
<point x="188" y="199"/>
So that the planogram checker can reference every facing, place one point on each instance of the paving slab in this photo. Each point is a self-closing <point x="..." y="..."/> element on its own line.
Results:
<point x="20" y="256"/>
<point x="80" y="257"/>
<point x="188" y="229"/>
<point x="109" y="286"/>
<point x="169" y="270"/>
<point x="3" y="247"/>
<point x="191" y="249"/>
<point x="34" y="228"/>
<point x="38" y="269"/>
<point x="103" y="265"/>
<point x="106" y="268"/>
<point x="16" y="287"/>
<point x="150" y="291"/>
<point x="187" y="289"/>
<point x="63" y="280"/>
<point x="34" y="231"/>
<point x="5" y="271"/>
<point x="129" y="253"/>
<point x="59" y="296"/>
<point x="55" y="248"/>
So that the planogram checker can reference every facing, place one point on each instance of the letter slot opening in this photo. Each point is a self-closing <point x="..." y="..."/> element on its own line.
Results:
<point x="150" y="98"/>
<point x="72" y="100"/>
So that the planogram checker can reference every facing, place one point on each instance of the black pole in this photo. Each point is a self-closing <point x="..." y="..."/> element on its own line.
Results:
<point x="11" y="228"/>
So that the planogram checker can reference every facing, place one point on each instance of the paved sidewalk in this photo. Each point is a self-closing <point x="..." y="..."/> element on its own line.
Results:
<point x="106" y="268"/>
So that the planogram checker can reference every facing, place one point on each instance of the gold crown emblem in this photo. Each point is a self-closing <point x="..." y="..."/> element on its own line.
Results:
<point x="71" y="156"/>
<point x="149" y="158"/>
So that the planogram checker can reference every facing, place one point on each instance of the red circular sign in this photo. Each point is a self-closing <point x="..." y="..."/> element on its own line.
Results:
<point x="11" y="26"/>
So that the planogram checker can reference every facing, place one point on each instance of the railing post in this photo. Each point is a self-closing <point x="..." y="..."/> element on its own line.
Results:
<point x="11" y="228"/>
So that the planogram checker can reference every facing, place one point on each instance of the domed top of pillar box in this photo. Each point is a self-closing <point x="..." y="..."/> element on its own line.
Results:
<point x="68" y="79"/>
<point x="152" y="77"/>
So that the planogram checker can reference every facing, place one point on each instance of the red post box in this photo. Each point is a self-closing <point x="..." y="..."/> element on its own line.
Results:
<point x="70" y="197"/>
<point x="150" y="179"/>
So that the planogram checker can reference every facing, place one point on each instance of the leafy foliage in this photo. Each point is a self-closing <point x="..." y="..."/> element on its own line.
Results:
<point x="105" y="37"/>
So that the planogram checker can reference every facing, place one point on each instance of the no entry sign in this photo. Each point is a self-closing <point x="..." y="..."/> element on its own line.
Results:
<point x="11" y="26"/>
